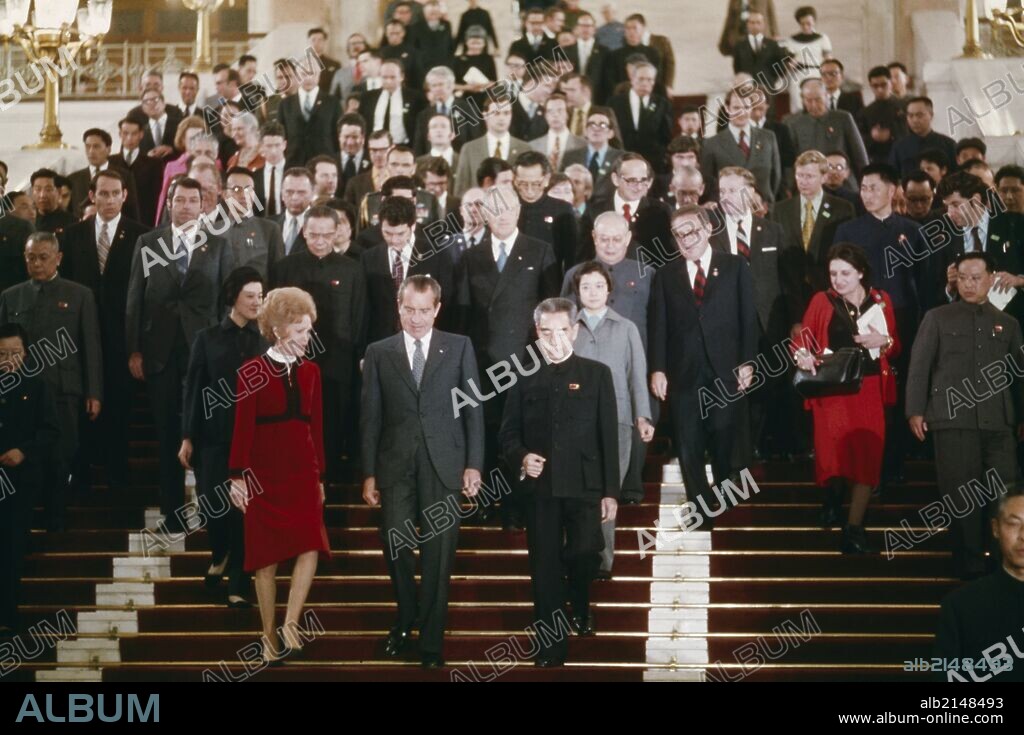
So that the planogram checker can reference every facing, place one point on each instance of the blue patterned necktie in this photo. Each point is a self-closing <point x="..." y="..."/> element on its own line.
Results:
<point x="419" y="360"/>
<point x="502" y="257"/>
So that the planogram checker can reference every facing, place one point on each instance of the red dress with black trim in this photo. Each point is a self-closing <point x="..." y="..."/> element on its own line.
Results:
<point x="278" y="448"/>
<point x="849" y="431"/>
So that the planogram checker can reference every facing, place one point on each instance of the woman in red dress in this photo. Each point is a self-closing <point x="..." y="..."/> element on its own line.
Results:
<point x="277" y="463"/>
<point x="849" y="430"/>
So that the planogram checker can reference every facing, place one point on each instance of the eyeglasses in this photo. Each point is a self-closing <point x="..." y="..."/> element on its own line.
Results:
<point x="239" y="189"/>
<point x="837" y="167"/>
<point x="636" y="182"/>
<point x="598" y="125"/>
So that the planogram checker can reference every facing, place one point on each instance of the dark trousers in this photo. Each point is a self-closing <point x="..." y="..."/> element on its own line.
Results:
<point x="511" y="505"/>
<point x="695" y="435"/>
<point x="105" y="440"/>
<point x="404" y="506"/>
<point x="337" y="396"/>
<point x="633" y="483"/>
<point x="165" y="396"/>
<point x="223" y="520"/>
<point x="57" y="471"/>
<point x="962" y="457"/>
<point x="898" y="439"/>
<point x="561" y="531"/>
<point x="17" y="495"/>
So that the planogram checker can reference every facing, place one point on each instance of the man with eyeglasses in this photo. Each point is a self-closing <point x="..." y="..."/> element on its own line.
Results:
<point x="161" y="125"/>
<point x="597" y="156"/>
<point x="587" y="55"/>
<point x="645" y="117"/>
<point x="255" y="241"/>
<point x="371" y="180"/>
<point x="919" y="194"/>
<point x="63" y="330"/>
<point x="338" y="288"/>
<point x="543" y="217"/>
<point x="838" y="181"/>
<point x="833" y="74"/>
<point x="29" y="431"/>
<point x="648" y="217"/>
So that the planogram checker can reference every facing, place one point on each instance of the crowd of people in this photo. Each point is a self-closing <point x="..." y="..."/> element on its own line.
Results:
<point x="411" y="223"/>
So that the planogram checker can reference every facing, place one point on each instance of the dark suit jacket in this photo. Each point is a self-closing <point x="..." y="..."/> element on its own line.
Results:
<point x="413" y="103"/>
<point x="579" y="413"/>
<point x="14" y="232"/>
<point x="554" y="222"/>
<point x="397" y="415"/>
<point x="149" y="178"/>
<point x="80" y="263"/>
<point x="67" y="313"/>
<point x="595" y="63"/>
<point x="498" y="307"/>
<point x="170" y="130"/>
<point x="804" y="272"/>
<point x="81" y="179"/>
<point x="603" y="188"/>
<point x="297" y="246"/>
<point x="363" y="166"/>
<point x="521" y="47"/>
<point x="466" y="124"/>
<point x="433" y="48"/>
<point x="852" y="102"/>
<point x="724" y="328"/>
<point x="382" y="296"/>
<point x="769" y="61"/>
<point x="160" y="311"/>
<point x="317" y="136"/>
<point x="358" y="187"/>
<point x="525" y="127"/>
<point x="767" y="241"/>
<point x="652" y="221"/>
<point x="615" y="69"/>
<point x="654" y="133"/>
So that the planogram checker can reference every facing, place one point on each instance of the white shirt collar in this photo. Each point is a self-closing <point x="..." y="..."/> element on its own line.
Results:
<point x="733" y="225"/>
<point x="410" y="345"/>
<point x="278" y="356"/>
<point x="736" y="132"/>
<point x="104" y="167"/>
<point x="111" y="226"/>
<point x="705" y="263"/>
<point x="816" y="202"/>
<point x="619" y="202"/>
<point x="509" y="241"/>
<point x="406" y="253"/>
<point x="646" y="40"/>
<point x="505" y="140"/>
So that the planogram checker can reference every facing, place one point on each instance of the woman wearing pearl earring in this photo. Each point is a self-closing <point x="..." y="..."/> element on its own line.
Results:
<point x="277" y="464"/>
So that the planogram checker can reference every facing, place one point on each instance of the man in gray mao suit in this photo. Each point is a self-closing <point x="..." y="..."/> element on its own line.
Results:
<point x="63" y="328"/>
<point x="255" y="241"/>
<point x="420" y="448"/>
<point x="973" y="411"/>
<point x="821" y="129"/>
<point x="173" y="292"/>
<point x="745" y="145"/>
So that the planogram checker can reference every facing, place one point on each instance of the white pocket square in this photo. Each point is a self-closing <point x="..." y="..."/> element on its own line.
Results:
<point x="768" y="250"/>
<point x="529" y="267"/>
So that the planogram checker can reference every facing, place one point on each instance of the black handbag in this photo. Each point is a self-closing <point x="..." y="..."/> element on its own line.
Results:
<point x="839" y="374"/>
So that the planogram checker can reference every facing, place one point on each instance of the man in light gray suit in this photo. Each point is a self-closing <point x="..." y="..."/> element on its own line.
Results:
<point x="496" y="143"/>
<point x="255" y="241"/>
<point x="173" y="291"/>
<point x="821" y="129"/>
<point x="63" y="329"/>
<point x="745" y="145"/>
<point x="558" y="140"/>
<point x="420" y="448"/>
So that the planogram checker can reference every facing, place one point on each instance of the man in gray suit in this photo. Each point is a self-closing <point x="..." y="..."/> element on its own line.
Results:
<point x="597" y="156"/>
<point x="496" y="143"/>
<point x="255" y="241"/>
<point x="173" y="291"/>
<point x="558" y="140"/>
<point x="63" y="328"/>
<point x="745" y="145"/>
<point x="955" y="351"/>
<point x="419" y="451"/>
<point x="821" y="129"/>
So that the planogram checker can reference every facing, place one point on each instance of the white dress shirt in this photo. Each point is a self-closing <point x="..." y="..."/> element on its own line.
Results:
<point x="583" y="50"/>
<point x="983" y="225"/>
<point x="93" y="170"/>
<point x="635" y="103"/>
<point x="397" y="129"/>
<point x="506" y="143"/>
<point x="275" y="170"/>
<point x="372" y="83"/>
<point x="158" y="133"/>
<point x="563" y="141"/>
<point x="129" y="155"/>
<point x="111" y="227"/>
<point x="286" y="225"/>
<point x="736" y="133"/>
<point x="406" y="254"/>
<point x="308" y="99"/>
<point x="619" y="203"/>
<point x="816" y="203"/>
<point x="410" y="345"/>
<point x="733" y="225"/>
<point x="756" y="42"/>
<point x="705" y="263"/>
<point x="473" y="238"/>
<point x="509" y="241"/>
<point x="447" y="154"/>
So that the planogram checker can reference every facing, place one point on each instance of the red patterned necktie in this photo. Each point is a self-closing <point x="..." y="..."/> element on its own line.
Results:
<point x="742" y="245"/>
<point x="744" y="146"/>
<point x="627" y="212"/>
<point x="700" y="281"/>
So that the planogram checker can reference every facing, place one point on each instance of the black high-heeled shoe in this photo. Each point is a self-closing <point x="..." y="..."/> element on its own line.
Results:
<point x="855" y="541"/>
<point x="832" y="507"/>
<point x="215" y="573"/>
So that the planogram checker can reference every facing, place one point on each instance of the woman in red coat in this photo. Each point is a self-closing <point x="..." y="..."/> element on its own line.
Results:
<point x="277" y="463"/>
<point x="849" y="430"/>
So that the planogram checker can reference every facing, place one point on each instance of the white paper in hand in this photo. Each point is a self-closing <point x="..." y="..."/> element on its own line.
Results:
<point x="873" y="317"/>
<point x="475" y="76"/>
<point x="1000" y="299"/>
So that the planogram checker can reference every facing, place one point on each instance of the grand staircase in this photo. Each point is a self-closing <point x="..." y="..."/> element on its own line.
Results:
<point x="766" y="596"/>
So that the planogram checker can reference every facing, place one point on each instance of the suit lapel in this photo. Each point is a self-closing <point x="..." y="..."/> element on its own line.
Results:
<point x="401" y="361"/>
<point x="687" y="289"/>
<point x="436" y="355"/>
<point x="513" y="265"/>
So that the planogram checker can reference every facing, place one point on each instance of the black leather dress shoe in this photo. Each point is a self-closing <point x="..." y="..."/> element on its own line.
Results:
<point x="432" y="661"/>
<point x="239" y="603"/>
<point x="583" y="625"/>
<point x="548" y="661"/>
<point x="396" y="641"/>
<point x="602" y="576"/>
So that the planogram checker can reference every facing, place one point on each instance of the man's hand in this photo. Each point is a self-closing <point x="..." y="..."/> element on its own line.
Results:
<point x="371" y="495"/>
<point x="239" y="495"/>
<point x="135" y="366"/>
<point x="323" y="494"/>
<point x="646" y="429"/>
<point x="794" y="331"/>
<point x="160" y="151"/>
<point x="470" y="482"/>
<point x="533" y="465"/>
<point x="185" y="454"/>
<point x="1006" y="281"/>
<point x="918" y="427"/>
<point x="609" y="509"/>
<point x="12" y="458"/>
<point x="746" y="376"/>
<point x="92" y="408"/>
<point x="951" y="278"/>
<point x="659" y="385"/>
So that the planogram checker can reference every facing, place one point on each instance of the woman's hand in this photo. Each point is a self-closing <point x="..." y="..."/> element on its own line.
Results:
<point x="806" y="361"/>
<point x="873" y="340"/>
<point x="323" y="495"/>
<point x="239" y="496"/>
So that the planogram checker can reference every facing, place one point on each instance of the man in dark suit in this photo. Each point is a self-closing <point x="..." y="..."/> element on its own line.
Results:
<point x="432" y="38"/>
<point x="297" y="196"/>
<point x="649" y="219"/>
<point x="541" y="216"/>
<point x="50" y="215"/>
<point x="645" y="118"/>
<point x="269" y="178"/>
<point x="417" y="455"/>
<point x="14" y="233"/>
<point x="832" y="73"/>
<point x="598" y="157"/>
<point x="615" y="69"/>
<point x="173" y="292"/>
<point x="736" y="22"/>
<point x="255" y="241"/>
<point x="352" y="144"/>
<point x="955" y="347"/>
<point x="744" y="145"/>
<point x="403" y="253"/>
<point x="60" y="319"/>
<point x="587" y="56"/>
<point x="759" y="55"/>
<point x="759" y="242"/>
<point x="702" y="326"/>
<point x="310" y="120"/>
<point x="161" y="124"/>
<point x="394" y="107"/>
<point x="401" y="50"/>
<point x="146" y="171"/>
<point x="528" y="116"/>
<point x="338" y="288"/>
<point x="97" y="153"/>
<point x="464" y="119"/>
<point x="977" y="618"/>
<point x="97" y="253"/>
<point x="809" y="222"/>
<point x="534" y="43"/>
<point x="317" y="38"/>
<point x="559" y="431"/>
<point x="28" y="432"/>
